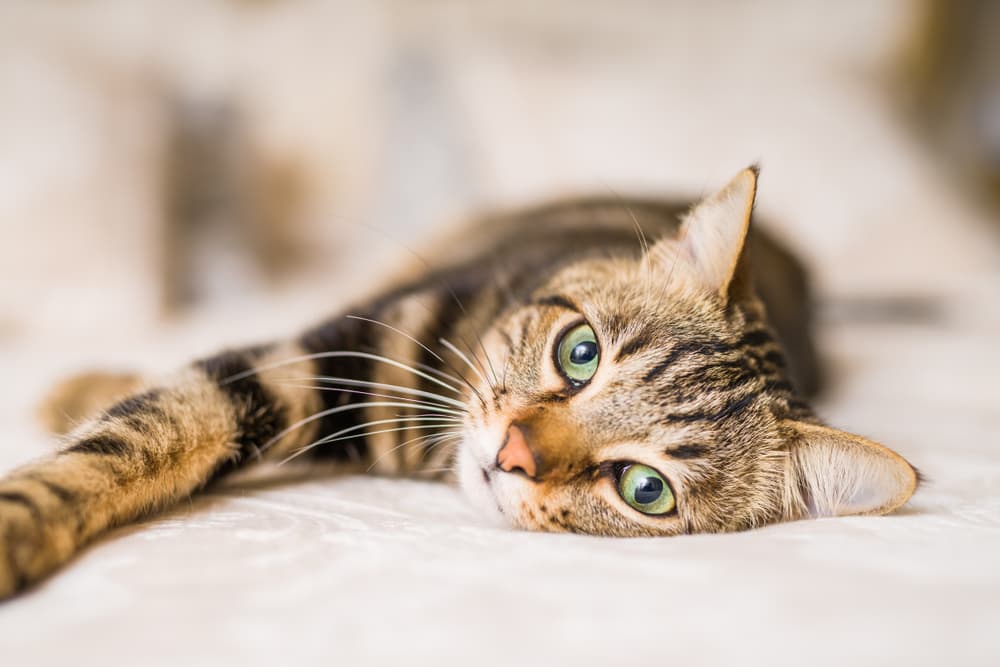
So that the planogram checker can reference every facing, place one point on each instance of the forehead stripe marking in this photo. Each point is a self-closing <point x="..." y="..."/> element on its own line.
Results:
<point x="755" y="338"/>
<point x="775" y="358"/>
<point x="696" y="347"/>
<point x="558" y="302"/>
<point x="729" y="410"/>
<point x="686" y="451"/>
<point x="633" y="346"/>
<point x="750" y="339"/>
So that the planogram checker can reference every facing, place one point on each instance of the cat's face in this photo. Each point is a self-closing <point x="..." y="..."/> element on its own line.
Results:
<point x="637" y="398"/>
<point x="612" y="392"/>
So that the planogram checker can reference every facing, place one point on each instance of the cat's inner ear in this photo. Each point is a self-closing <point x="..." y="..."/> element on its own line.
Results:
<point x="834" y="473"/>
<point x="712" y="235"/>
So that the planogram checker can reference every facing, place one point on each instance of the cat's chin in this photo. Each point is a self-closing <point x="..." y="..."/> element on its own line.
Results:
<point x="476" y="486"/>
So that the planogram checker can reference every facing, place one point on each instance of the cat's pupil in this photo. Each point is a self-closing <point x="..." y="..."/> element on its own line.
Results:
<point x="648" y="489"/>
<point x="583" y="353"/>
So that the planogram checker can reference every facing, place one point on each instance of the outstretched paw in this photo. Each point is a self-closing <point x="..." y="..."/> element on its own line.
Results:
<point x="29" y="548"/>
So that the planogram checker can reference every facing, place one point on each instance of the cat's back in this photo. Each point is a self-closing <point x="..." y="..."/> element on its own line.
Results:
<point x="561" y="227"/>
<point x="565" y="229"/>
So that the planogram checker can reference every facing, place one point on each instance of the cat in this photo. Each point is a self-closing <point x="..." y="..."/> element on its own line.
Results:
<point x="568" y="374"/>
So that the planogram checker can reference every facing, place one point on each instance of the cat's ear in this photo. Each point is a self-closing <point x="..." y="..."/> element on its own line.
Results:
<point x="834" y="473"/>
<point x="713" y="234"/>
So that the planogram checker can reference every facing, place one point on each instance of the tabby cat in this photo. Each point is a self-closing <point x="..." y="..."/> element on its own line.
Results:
<point x="570" y="376"/>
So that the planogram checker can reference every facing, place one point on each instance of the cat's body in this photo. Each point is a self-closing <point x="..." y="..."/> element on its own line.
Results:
<point x="571" y="377"/>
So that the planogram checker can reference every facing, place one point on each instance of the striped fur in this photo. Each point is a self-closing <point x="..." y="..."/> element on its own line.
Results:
<point x="426" y="378"/>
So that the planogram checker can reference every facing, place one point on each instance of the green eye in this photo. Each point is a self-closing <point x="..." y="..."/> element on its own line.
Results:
<point x="577" y="354"/>
<point x="645" y="490"/>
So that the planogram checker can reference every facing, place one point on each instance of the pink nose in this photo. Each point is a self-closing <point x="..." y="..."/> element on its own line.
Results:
<point x="515" y="453"/>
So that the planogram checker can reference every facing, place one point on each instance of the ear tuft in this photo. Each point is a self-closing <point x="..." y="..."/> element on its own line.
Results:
<point x="714" y="232"/>
<point x="834" y="473"/>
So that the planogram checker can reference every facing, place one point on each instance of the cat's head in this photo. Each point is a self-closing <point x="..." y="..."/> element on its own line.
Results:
<point x="649" y="397"/>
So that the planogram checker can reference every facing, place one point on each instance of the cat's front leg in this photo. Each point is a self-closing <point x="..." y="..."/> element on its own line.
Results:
<point x="149" y="451"/>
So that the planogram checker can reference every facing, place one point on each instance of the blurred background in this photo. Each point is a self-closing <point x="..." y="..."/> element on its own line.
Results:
<point x="180" y="174"/>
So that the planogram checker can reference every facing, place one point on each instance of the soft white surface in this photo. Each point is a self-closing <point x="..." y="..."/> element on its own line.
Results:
<point x="361" y="571"/>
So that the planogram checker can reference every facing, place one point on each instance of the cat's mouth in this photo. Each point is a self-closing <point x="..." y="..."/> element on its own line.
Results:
<point x="489" y="485"/>
<point x="477" y="476"/>
<point x="485" y="495"/>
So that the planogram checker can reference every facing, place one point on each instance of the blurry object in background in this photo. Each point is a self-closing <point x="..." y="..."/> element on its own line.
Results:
<point x="162" y="156"/>
<point x="234" y="216"/>
<point x="81" y="396"/>
<point x="79" y="141"/>
<point x="952" y="85"/>
<point x="201" y="207"/>
<point x="280" y="189"/>
<point x="902" y="309"/>
<point x="426" y="168"/>
<point x="286" y="148"/>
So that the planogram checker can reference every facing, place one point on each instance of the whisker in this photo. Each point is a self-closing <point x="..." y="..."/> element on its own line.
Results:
<point x="681" y="238"/>
<point x="448" y="344"/>
<point x="339" y="354"/>
<point x="465" y="312"/>
<point x="506" y="367"/>
<point x="486" y="355"/>
<point x="436" y="441"/>
<point x="412" y="401"/>
<point x="440" y="441"/>
<point x="337" y="410"/>
<point x="639" y="232"/>
<point x="422" y="415"/>
<point x="330" y="438"/>
<point x="646" y="259"/>
<point x="391" y="420"/>
<point x="468" y="348"/>
<point x="489" y="362"/>
<point x="430" y="452"/>
<point x="471" y="386"/>
<point x="392" y="387"/>
<point x="420" y="438"/>
<point x="451" y="291"/>
<point x="413" y="340"/>
<point x="431" y="369"/>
